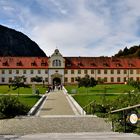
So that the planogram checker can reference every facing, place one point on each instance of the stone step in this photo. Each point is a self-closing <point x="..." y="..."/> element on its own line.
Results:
<point x="54" y="124"/>
<point x="77" y="136"/>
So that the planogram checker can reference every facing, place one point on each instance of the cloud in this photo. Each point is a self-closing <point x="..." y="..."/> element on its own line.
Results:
<point x="77" y="28"/>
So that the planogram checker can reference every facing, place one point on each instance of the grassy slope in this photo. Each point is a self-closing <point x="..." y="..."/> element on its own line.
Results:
<point x="114" y="88"/>
<point x="4" y="89"/>
<point x="97" y="93"/>
<point x="28" y="99"/>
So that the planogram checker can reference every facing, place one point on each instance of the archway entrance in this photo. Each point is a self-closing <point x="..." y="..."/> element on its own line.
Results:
<point x="56" y="81"/>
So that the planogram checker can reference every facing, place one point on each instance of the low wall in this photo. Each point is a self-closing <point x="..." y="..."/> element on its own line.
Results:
<point x="76" y="105"/>
<point x="35" y="108"/>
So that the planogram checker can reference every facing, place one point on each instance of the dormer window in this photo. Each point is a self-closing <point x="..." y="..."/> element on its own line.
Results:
<point x="68" y="64"/>
<point x="80" y="64"/>
<point x="118" y="65"/>
<point x="5" y="63"/>
<point x="56" y="63"/>
<point x="43" y="64"/>
<point x="131" y="65"/>
<point x="93" y="64"/>
<point x="33" y="63"/>
<point x="105" y="64"/>
<point x="19" y="63"/>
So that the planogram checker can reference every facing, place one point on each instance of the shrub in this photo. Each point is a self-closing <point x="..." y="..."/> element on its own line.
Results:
<point x="10" y="106"/>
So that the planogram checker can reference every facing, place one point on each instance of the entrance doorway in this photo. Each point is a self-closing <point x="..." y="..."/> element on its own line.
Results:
<point x="56" y="81"/>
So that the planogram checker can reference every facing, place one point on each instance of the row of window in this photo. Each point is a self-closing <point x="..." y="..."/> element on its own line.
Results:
<point x="105" y="79"/>
<point x="106" y="71"/>
<point x="25" y="80"/>
<point x="24" y="71"/>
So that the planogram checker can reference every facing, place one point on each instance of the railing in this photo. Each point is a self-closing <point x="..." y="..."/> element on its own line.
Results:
<point x="89" y="107"/>
<point x="126" y="114"/>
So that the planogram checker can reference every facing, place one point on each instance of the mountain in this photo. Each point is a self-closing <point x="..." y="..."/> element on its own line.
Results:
<point x="133" y="51"/>
<point x="14" y="43"/>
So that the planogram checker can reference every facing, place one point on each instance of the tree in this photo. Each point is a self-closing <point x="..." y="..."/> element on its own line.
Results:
<point x="86" y="81"/>
<point x="10" y="106"/>
<point x="37" y="79"/>
<point x="135" y="84"/>
<point x="18" y="82"/>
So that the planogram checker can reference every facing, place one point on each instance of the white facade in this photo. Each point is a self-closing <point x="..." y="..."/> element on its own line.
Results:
<point x="57" y="71"/>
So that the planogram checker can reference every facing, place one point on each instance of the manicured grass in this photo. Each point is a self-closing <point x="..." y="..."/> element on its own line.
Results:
<point x="84" y="100"/>
<point x="29" y="100"/>
<point x="110" y="91"/>
<point x="105" y="88"/>
<point x="25" y="94"/>
<point x="4" y="89"/>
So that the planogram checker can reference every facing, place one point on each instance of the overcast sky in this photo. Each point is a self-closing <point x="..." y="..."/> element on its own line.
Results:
<point x="75" y="27"/>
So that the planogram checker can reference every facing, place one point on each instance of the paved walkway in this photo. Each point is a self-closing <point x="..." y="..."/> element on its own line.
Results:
<point x="56" y="104"/>
<point x="74" y="136"/>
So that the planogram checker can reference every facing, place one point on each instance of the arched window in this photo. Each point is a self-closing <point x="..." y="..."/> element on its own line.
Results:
<point x="56" y="63"/>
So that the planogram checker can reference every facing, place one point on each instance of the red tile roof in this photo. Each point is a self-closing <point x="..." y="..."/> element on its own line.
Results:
<point x="101" y="62"/>
<point x="24" y="62"/>
<point x="71" y="62"/>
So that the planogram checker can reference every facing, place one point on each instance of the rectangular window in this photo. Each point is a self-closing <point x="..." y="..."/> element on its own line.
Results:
<point x="17" y="71"/>
<point x="105" y="79"/>
<point x="72" y="80"/>
<point x="39" y="71"/>
<point x="72" y="71"/>
<point x="24" y="79"/>
<point x="138" y="71"/>
<point x="105" y="71"/>
<point x="66" y="71"/>
<point x="79" y="71"/>
<point x="46" y="71"/>
<point x="32" y="79"/>
<point x="118" y="72"/>
<point x="10" y="71"/>
<point x="99" y="71"/>
<point x="112" y="71"/>
<point x="118" y="79"/>
<point x="32" y="71"/>
<point x="66" y="79"/>
<point x="3" y="79"/>
<point x="92" y="71"/>
<point x="85" y="71"/>
<point x="138" y="78"/>
<point x="112" y="79"/>
<point x="46" y="79"/>
<point x="10" y="79"/>
<point x="124" y="79"/>
<point x="24" y="71"/>
<point x="3" y="71"/>
<point x="131" y="71"/>
<point x="125" y="71"/>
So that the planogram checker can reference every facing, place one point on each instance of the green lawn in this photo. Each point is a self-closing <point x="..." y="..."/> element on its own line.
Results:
<point x="29" y="100"/>
<point x="84" y="100"/>
<point x="110" y="91"/>
<point x="4" y="89"/>
<point x="25" y="94"/>
<point x="108" y="88"/>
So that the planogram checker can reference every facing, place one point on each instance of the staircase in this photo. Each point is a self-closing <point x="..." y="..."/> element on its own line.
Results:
<point x="83" y="136"/>
<point x="54" y="124"/>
